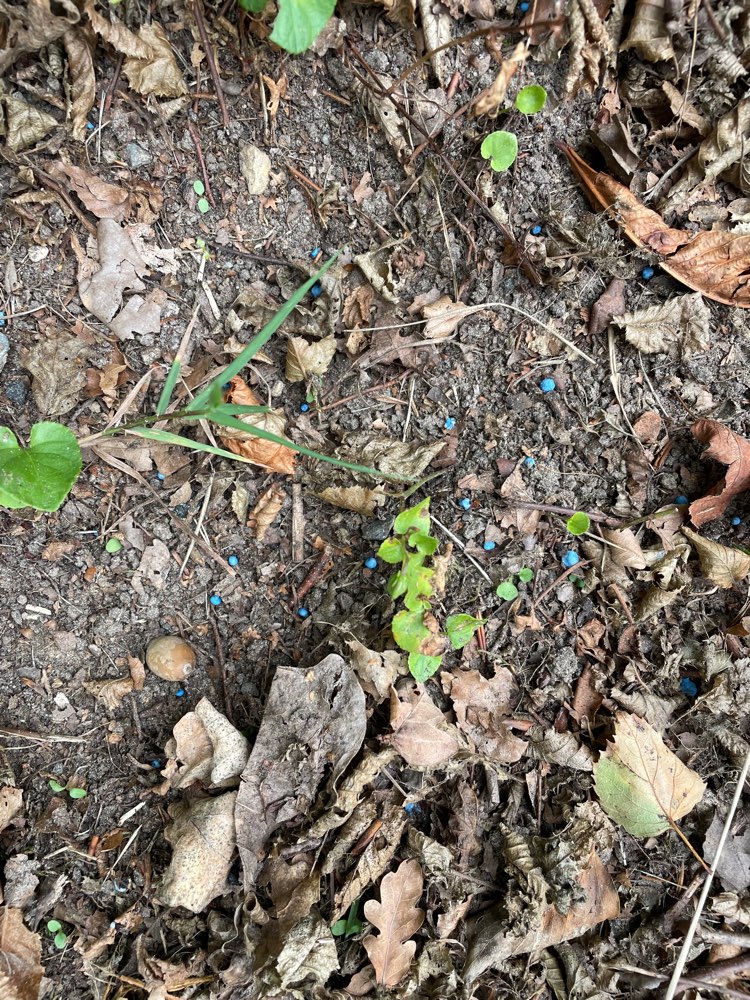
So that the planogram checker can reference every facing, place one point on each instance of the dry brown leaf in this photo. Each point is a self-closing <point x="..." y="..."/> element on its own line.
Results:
<point x="57" y="365"/>
<point x="120" y="270"/>
<point x="304" y="359"/>
<point x="731" y="450"/>
<point x="79" y="50"/>
<point x="20" y="953"/>
<point x="401" y="12"/>
<point x="31" y="26"/>
<point x="357" y="306"/>
<point x="150" y="64"/>
<point x="648" y="33"/>
<point x="25" y="125"/>
<point x="397" y="919"/>
<point x="104" y="200"/>
<point x="267" y="454"/>
<point x="442" y="314"/>
<point x="481" y="706"/>
<point x="11" y="804"/>
<point x="715" y="263"/>
<point x="610" y="303"/>
<point x="624" y="549"/>
<point x="563" y="748"/>
<point x="679" y="327"/>
<point x="491" y="100"/>
<point x="209" y="748"/>
<point x="420" y="733"/>
<point x="377" y="672"/>
<point x="355" y="498"/>
<point x="265" y="511"/>
<point x="720" y="564"/>
<point x="110" y="692"/>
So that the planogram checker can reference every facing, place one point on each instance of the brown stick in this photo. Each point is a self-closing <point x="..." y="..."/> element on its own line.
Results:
<point x="113" y="85"/>
<point x="222" y="670"/>
<point x="550" y="508"/>
<point x="198" y="15"/>
<point x="199" y="153"/>
<point x="322" y="565"/>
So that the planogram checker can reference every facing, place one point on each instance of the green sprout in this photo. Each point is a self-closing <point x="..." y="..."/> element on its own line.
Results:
<point x="531" y="99"/>
<point x="113" y="545"/>
<point x="525" y="575"/>
<point x="578" y="523"/>
<point x="298" y="22"/>
<point x="74" y="793"/>
<point x="348" y="925"/>
<point x="507" y="591"/>
<point x="60" y="939"/>
<point x="501" y="147"/>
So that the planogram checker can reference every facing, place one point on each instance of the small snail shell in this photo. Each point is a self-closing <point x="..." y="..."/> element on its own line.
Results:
<point x="170" y="657"/>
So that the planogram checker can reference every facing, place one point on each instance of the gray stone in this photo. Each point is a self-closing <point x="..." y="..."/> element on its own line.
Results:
<point x="136" y="156"/>
<point x="4" y="348"/>
<point x="17" y="391"/>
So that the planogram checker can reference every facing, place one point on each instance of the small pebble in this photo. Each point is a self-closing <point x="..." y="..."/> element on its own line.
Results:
<point x="688" y="687"/>
<point x="371" y="563"/>
<point x="681" y="501"/>
<point x="529" y="462"/>
<point x="233" y="561"/>
<point x="736" y="522"/>
<point x="464" y="503"/>
<point x="160" y="476"/>
<point x="316" y="290"/>
<point x="179" y="693"/>
<point x="377" y="531"/>
<point x="304" y="407"/>
<point x="303" y="613"/>
<point x="215" y="600"/>
<point x="570" y="559"/>
<point x="548" y="385"/>
<point x="136" y="156"/>
<point x="170" y="657"/>
<point x="488" y="546"/>
<point x="450" y="423"/>
<point x="536" y="230"/>
<point x="647" y="273"/>
<point x="16" y="391"/>
<point x="156" y="763"/>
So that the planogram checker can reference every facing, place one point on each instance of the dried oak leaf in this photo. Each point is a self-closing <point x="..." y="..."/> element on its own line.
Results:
<point x="266" y="510"/>
<point x="720" y="564"/>
<point x="715" y="263"/>
<point x="120" y="270"/>
<point x="267" y="454"/>
<point x="397" y="919"/>
<point x="481" y="706"/>
<point x="731" y="450"/>
<point x="641" y="784"/>
<point x="304" y="359"/>
<point x="377" y="672"/>
<point x="20" y="953"/>
<point x="104" y="200"/>
<point x="679" y="327"/>
<point x="610" y="303"/>
<point x="420" y="733"/>
<point x="11" y="804"/>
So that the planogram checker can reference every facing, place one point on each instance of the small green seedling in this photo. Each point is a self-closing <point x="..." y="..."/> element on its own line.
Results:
<point x="298" y="22"/>
<point x="74" y="793"/>
<point x="201" y="245"/>
<point x="525" y="575"/>
<point x="578" y="523"/>
<point x="508" y="591"/>
<point x="349" y="925"/>
<point x="60" y="937"/>
<point x="202" y="203"/>
<point x="501" y="147"/>
<point x="530" y="100"/>
<point x="113" y="545"/>
<point x="415" y="629"/>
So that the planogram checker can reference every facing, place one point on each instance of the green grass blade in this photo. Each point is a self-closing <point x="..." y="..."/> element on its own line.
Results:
<point x="260" y="339"/>
<point x="169" y="384"/>
<point x="167" y="437"/>
<point x="234" y="410"/>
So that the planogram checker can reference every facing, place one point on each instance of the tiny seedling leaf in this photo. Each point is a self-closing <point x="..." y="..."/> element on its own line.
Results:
<point x="77" y="793"/>
<point x="507" y="591"/>
<point x="203" y="205"/>
<point x="578" y="523"/>
<point x="299" y="22"/>
<point x="339" y="928"/>
<point x="531" y="99"/>
<point x="641" y="784"/>
<point x="460" y="628"/>
<point x="61" y="939"/>
<point x="526" y="575"/>
<point x="53" y="926"/>
<point x="391" y="550"/>
<point x="41" y="475"/>
<point x="56" y="786"/>
<point x="198" y="187"/>
<point x="500" y="148"/>
<point x="113" y="545"/>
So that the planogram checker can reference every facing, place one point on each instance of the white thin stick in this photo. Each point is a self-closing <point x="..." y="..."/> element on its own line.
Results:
<point x="682" y="957"/>
<point x="198" y="526"/>
<point x="457" y="541"/>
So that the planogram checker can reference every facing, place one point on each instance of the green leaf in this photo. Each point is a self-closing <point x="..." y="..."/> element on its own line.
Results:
<point x="60" y="940"/>
<point x="425" y="544"/>
<point x="203" y="205"/>
<point x="418" y="583"/>
<point x="422" y="667"/>
<point x="507" y="591"/>
<point x="299" y="22"/>
<point x="578" y="523"/>
<point x="415" y="518"/>
<point x="391" y="551"/>
<point x="460" y="629"/>
<point x="500" y="148"/>
<point x="77" y="793"/>
<point x="169" y="383"/>
<point x="409" y="630"/>
<point x="113" y="545"/>
<point x="53" y="926"/>
<point x="526" y="575"/>
<point x="56" y="786"/>
<point x="396" y="586"/>
<point x="198" y="187"/>
<point x="253" y="6"/>
<point x="531" y="99"/>
<point x="339" y="928"/>
<point x="41" y="475"/>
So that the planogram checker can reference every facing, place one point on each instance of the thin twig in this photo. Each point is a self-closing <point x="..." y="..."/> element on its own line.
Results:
<point x="222" y="668"/>
<point x="298" y="524"/>
<point x="198" y="525"/>
<point x="322" y="565"/>
<point x="457" y="541"/>
<point x="198" y="15"/>
<point x="199" y="153"/>
<point x="550" y="508"/>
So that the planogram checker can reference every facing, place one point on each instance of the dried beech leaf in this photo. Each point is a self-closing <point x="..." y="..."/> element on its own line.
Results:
<point x="420" y="733"/>
<point x="564" y="749"/>
<point x="31" y="26"/>
<point x="104" y="200"/>
<point x="25" y="125"/>
<point x="57" y="365"/>
<point x="715" y="263"/>
<point x="624" y="549"/>
<point x="679" y="327"/>
<point x="356" y="498"/>
<point x="157" y="73"/>
<point x="648" y="32"/>
<point x="491" y="100"/>
<point x="11" y="804"/>
<point x="267" y="454"/>
<point x="79" y="50"/>
<point x="401" y="12"/>
<point x="731" y="450"/>
<point x="116" y="34"/>
<point x="481" y="705"/>
<point x="397" y="919"/>
<point x="377" y="672"/>
<point x="20" y="969"/>
<point x="209" y="748"/>
<point x="304" y="359"/>
<point x="266" y="510"/>
<point x="720" y="564"/>
<point x="110" y="692"/>
<point x="641" y="784"/>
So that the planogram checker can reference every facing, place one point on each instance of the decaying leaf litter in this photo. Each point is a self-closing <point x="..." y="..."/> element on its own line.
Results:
<point x="295" y="816"/>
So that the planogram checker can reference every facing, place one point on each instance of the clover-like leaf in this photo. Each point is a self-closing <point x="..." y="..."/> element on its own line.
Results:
<point x="41" y="475"/>
<point x="531" y="99"/>
<point x="409" y="630"/>
<point x="391" y="550"/>
<point x="507" y="591"/>
<point x="500" y="148"/>
<point x="578" y="523"/>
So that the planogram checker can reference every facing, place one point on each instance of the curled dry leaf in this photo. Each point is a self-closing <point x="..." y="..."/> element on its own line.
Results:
<point x="388" y="455"/>
<point x="11" y="804"/>
<point x="624" y="549"/>
<point x="210" y="748"/>
<point x="304" y="359"/>
<point x="610" y="303"/>
<point x="377" y="672"/>
<point x="120" y="270"/>
<point x="267" y="454"/>
<point x="266" y="510"/>
<point x="397" y="919"/>
<point x="715" y="263"/>
<point x="420" y="733"/>
<point x="111" y="692"/>
<point x="356" y="498"/>
<point x="491" y="100"/>
<point x="31" y="26"/>
<point x="104" y="200"/>
<point x="679" y="327"/>
<point x="481" y="706"/>
<point x="720" y="564"/>
<point x="25" y="125"/>
<point x="731" y="450"/>
<point x="79" y="51"/>
<point x="649" y="34"/>
<point x="564" y="749"/>
<point x="21" y="950"/>
<point x="442" y="314"/>
<point x="641" y="784"/>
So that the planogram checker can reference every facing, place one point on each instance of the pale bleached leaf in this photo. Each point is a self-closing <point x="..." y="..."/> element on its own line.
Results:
<point x="720" y="564"/>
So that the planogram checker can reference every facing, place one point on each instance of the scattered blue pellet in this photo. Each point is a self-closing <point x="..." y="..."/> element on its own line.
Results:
<point x="688" y="687"/>
<point x="570" y="559"/>
<point x="681" y="501"/>
<point x="411" y="807"/>
<point x="736" y="522"/>
<point x="160" y="476"/>
<point x="548" y="385"/>
<point x="523" y="7"/>
<point x="529" y="462"/>
<point x="371" y="563"/>
<point x="226" y="387"/>
<point x="464" y="503"/>
<point x="316" y="290"/>
<point x="215" y="600"/>
<point x="156" y="763"/>
<point x="536" y="230"/>
<point x="316" y="252"/>
<point x="2" y="318"/>
<point x="233" y="561"/>
<point x="303" y="613"/>
<point x="647" y="273"/>
<point x="179" y="693"/>
<point x="450" y="423"/>
<point x="304" y="407"/>
<point x="488" y="546"/>
<point x="90" y="126"/>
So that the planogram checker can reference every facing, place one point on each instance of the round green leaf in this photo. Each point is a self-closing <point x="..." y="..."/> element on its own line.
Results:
<point x="60" y="939"/>
<point x="299" y="22"/>
<point x="41" y="475"/>
<point x="578" y="523"/>
<point x="253" y="6"/>
<point x="203" y="205"/>
<point x="460" y="628"/>
<point x="526" y="575"/>
<point x="415" y="518"/>
<point x="531" y="99"/>
<point x="422" y="667"/>
<point x="507" y="591"/>
<point x="409" y="630"/>
<point x="113" y="545"/>
<point x="198" y="187"/>
<point x="77" y="793"/>
<point x="391" y="550"/>
<point x="500" y="148"/>
<point x="53" y="926"/>
<point x="56" y="786"/>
